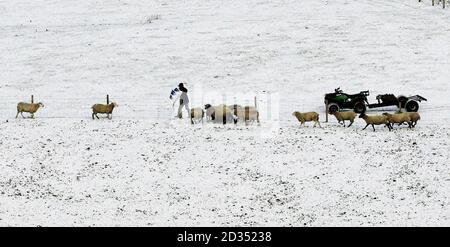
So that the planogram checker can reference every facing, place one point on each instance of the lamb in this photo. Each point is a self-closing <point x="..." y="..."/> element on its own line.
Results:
<point x="196" y="114"/>
<point x="307" y="117"/>
<point x="375" y="120"/>
<point x="414" y="118"/>
<point x="247" y="113"/>
<point x="104" y="109"/>
<point x="342" y="116"/>
<point x="399" y="118"/>
<point x="28" y="107"/>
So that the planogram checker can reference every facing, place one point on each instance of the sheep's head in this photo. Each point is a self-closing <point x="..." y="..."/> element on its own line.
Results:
<point x="114" y="104"/>
<point x="386" y="114"/>
<point x="207" y="106"/>
<point x="362" y="115"/>
<point x="40" y="104"/>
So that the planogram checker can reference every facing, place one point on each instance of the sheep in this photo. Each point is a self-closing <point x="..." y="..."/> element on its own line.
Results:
<point x="342" y="116"/>
<point x="375" y="120"/>
<point x="307" y="117"/>
<point x="104" y="109"/>
<point x="398" y="118"/>
<point x="247" y="113"/>
<point x="196" y="114"/>
<point x="28" y="107"/>
<point x="219" y="113"/>
<point x="414" y="118"/>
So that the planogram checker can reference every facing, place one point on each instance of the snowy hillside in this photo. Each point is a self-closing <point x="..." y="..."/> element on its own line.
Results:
<point x="144" y="168"/>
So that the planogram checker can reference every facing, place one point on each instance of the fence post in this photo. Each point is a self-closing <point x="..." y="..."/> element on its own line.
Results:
<point x="107" y="99"/>
<point x="32" y="99"/>
<point x="443" y="4"/>
<point x="326" y="111"/>
<point x="432" y="2"/>
<point x="256" y="105"/>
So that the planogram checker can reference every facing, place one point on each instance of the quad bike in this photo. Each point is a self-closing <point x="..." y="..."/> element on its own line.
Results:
<point x="359" y="103"/>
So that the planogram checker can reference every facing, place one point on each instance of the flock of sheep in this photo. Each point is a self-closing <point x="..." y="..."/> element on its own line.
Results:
<point x="234" y="113"/>
<point x="387" y="119"/>
<point x="225" y="114"/>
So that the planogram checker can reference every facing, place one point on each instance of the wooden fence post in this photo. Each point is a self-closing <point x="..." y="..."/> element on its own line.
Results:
<point x="256" y="105"/>
<point x="32" y="99"/>
<point x="432" y="2"/>
<point x="107" y="99"/>
<point x="326" y="111"/>
<point x="443" y="4"/>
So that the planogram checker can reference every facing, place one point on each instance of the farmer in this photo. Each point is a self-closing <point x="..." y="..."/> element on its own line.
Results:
<point x="184" y="100"/>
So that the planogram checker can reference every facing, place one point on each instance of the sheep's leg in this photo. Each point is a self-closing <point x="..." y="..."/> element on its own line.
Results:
<point x="17" y="115"/>
<point x="365" y="127"/>
<point x="93" y="116"/>
<point x="373" y="126"/>
<point x="110" y="115"/>
<point x="351" y="122"/>
<point x="343" y="121"/>
<point x="96" y="116"/>
<point x="21" y="113"/>
<point x="32" y="115"/>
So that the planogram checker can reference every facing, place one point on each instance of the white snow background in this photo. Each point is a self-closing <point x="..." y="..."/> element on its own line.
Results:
<point x="144" y="169"/>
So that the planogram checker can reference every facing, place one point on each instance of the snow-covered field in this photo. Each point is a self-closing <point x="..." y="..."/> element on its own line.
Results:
<point x="143" y="168"/>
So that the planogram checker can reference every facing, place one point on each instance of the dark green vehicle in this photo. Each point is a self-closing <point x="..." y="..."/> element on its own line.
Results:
<point x="359" y="103"/>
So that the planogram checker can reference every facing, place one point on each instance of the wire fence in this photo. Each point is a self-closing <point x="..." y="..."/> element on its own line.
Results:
<point x="154" y="107"/>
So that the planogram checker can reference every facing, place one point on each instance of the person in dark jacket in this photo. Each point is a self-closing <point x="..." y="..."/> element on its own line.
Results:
<point x="184" y="100"/>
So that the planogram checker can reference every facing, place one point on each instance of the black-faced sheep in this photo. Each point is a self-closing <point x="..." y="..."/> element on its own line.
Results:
<point x="103" y="109"/>
<point x="375" y="120"/>
<point x="342" y="116"/>
<point x="307" y="117"/>
<point x="28" y="107"/>
<point x="220" y="113"/>
<point x="197" y="114"/>
<point x="246" y="114"/>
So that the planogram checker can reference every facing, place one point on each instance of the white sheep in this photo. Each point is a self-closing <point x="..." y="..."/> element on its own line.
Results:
<point x="342" y="116"/>
<point x="28" y="107"/>
<point x="103" y="109"/>
<point x="307" y="117"/>
<point x="197" y="114"/>
<point x="375" y="120"/>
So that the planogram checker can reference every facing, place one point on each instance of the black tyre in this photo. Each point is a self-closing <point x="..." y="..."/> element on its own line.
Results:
<point x="402" y="100"/>
<point x="359" y="107"/>
<point x="333" y="107"/>
<point x="412" y="106"/>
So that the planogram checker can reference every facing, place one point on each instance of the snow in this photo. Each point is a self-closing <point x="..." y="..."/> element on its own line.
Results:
<point x="144" y="168"/>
